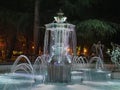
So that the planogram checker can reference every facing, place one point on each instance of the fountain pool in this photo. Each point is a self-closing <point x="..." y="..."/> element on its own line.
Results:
<point x="12" y="82"/>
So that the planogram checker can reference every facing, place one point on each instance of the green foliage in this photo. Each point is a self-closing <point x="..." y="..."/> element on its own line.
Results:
<point x="94" y="25"/>
<point x="93" y="30"/>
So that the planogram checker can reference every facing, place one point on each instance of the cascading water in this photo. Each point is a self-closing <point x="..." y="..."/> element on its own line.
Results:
<point x="59" y="44"/>
<point x="59" y="47"/>
<point x="99" y="63"/>
<point x="27" y="67"/>
<point x="98" y="70"/>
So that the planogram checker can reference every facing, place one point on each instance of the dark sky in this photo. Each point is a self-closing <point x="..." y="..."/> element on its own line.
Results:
<point x="110" y="10"/>
<point x="105" y="9"/>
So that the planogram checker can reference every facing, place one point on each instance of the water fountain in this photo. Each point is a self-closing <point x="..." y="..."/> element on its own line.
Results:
<point x="98" y="70"/>
<point x="58" y="65"/>
<point x="60" y="43"/>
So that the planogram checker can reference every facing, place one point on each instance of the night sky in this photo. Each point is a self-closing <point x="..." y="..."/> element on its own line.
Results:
<point x="104" y="9"/>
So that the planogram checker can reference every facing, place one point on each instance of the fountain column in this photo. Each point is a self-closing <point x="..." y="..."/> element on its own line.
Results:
<point x="59" y="44"/>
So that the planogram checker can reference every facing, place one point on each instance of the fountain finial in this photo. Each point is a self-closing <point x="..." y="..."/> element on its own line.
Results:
<point x="60" y="13"/>
<point x="60" y="18"/>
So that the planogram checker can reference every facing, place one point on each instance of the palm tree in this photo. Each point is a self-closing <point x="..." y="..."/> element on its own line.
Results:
<point x="94" y="30"/>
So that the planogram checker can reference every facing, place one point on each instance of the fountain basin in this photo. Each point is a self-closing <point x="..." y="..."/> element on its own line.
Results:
<point x="97" y="75"/>
<point x="9" y="83"/>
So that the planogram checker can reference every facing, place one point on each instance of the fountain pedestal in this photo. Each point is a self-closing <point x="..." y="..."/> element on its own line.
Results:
<point x="59" y="73"/>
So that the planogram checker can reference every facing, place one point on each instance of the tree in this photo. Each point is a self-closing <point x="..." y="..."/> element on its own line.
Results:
<point x="13" y="24"/>
<point x="94" y="30"/>
<point x="36" y="27"/>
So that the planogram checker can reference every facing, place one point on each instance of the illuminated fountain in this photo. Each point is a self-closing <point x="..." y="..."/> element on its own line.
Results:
<point x="60" y="43"/>
<point x="59" y="63"/>
<point x="56" y="62"/>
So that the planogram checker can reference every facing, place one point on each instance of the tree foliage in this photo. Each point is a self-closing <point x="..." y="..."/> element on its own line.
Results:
<point x="93" y="30"/>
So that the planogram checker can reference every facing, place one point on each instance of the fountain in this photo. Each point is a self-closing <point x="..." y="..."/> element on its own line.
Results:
<point x="60" y="44"/>
<point x="98" y="70"/>
<point x="59" y="67"/>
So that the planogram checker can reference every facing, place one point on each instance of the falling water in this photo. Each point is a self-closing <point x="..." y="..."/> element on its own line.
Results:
<point x="27" y="67"/>
<point x="98" y="61"/>
<point x="59" y="44"/>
